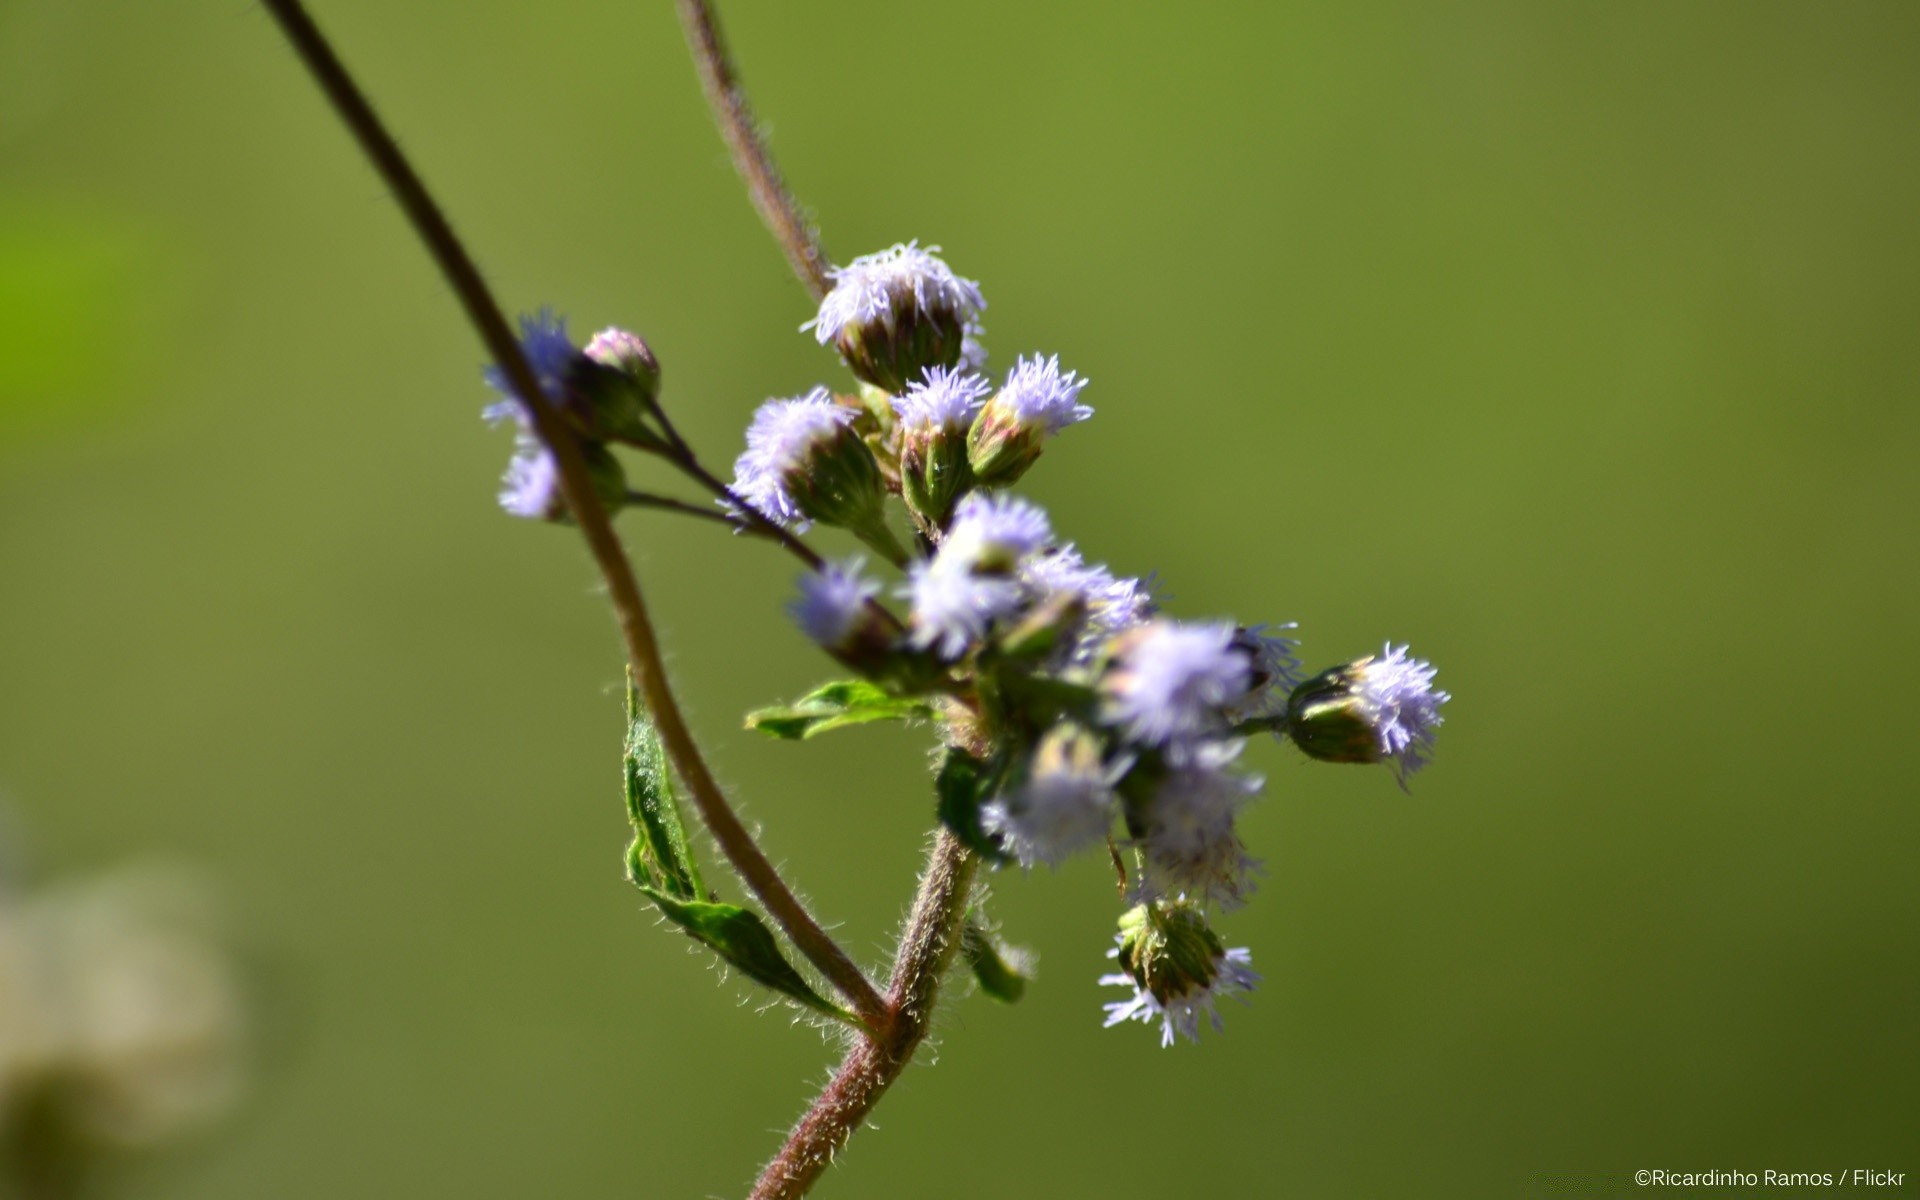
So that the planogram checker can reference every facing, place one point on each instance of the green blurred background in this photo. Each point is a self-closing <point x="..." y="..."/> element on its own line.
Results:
<point x="1575" y="344"/>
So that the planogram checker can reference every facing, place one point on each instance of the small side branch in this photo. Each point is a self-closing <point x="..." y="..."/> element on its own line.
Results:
<point x="728" y="98"/>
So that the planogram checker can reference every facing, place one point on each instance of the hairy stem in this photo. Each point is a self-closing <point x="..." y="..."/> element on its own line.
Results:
<point x="623" y="588"/>
<point x="728" y="99"/>
<point x="927" y="948"/>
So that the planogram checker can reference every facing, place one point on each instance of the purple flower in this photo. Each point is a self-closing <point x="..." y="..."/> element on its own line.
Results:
<point x="549" y="351"/>
<point x="1189" y="841"/>
<point x="952" y="606"/>
<point x="942" y="401"/>
<point x="1064" y="805"/>
<point x="1276" y="671"/>
<point x="1177" y="967"/>
<point x="1402" y="704"/>
<point x="993" y="531"/>
<point x="1037" y="395"/>
<point x="1171" y="680"/>
<point x="872" y="287"/>
<point x="531" y="486"/>
<point x="784" y="435"/>
<point x="1114" y="604"/>
<point x="832" y="604"/>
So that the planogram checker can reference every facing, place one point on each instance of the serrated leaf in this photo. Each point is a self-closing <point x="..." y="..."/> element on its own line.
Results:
<point x="998" y="977"/>
<point x="660" y="855"/>
<point x="739" y="936"/>
<point x="835" y="706"/>
<point x="961" y="788"/>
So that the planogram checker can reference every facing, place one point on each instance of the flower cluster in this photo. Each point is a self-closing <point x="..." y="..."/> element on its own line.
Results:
<point x="1077" y="714"/>
<point x="1088" y="717"/>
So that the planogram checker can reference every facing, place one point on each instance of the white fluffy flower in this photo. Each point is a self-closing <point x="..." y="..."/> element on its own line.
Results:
<point x="1172" y="680"/>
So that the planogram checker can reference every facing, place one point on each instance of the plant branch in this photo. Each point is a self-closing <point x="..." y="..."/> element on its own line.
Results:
<point x="927" y="948"/>
<point x="623" y="587"/>
<point x="728" y="99"/>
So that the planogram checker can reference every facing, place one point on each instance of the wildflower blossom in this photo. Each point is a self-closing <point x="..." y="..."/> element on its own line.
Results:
<point x="1188" y="840"/>
<point x="934" y="416"/>
<point x="804" y="463"/>
<point x="1065" y="804"/>
<point x="896" y="313"/>
<point x="952" y="606"/>
<point x="1171" y="680"/>
<point x="941" y="401"/>
<point x="549" y="351"/>
<point x="993" y="531"/>
<point x="1178" y="969"/>
<point x="833" y="603"/>
<point x="1382" y="708"/>
<point x="531" y="486"/>
<point x="1036" y="402"/>
<point x="1275" y="671"/>
<point x="1114" y="604"/>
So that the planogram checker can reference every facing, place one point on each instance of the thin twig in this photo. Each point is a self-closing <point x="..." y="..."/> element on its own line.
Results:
<point x="669" y="504"/>
<point x="927" y="949"/>
<point x="777" y="206"/>
<point x="623" y="588"/>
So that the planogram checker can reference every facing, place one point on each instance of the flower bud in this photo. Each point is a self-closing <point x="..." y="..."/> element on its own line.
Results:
<point x="1382" y="708"/>
<point x="1036" y="402"/>
<point x="833" y="610"/>
<point x="1062" y="804"/>
<point x="805" y="462"/>
<point x="933" y="418"/>
<point x="619" y="379"/>
<point x="531" y="486"/>
<point x="1178" y="967"/>
<point x="894" y="314"/>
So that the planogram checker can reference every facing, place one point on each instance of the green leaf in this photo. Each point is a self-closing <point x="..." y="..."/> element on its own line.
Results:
<point x="660" y="856"/>
<point x="833" y="706"/>
<point x="743" y="939"/>
<point x="998" y="977"/>
<point x="962" y="786"/>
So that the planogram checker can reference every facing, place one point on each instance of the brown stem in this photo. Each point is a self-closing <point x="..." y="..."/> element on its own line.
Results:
<point x="777" y="206"/>
<point x="927" y="948"/>
<point x="623" y="589"/>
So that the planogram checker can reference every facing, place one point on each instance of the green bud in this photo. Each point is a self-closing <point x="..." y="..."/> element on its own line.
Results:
<point x="1000" y="447"/>
<point x="933" y="472"/>
<point x="895" y="348"/>
<point x="611" y="388"/>
<point x="1168" y="948"/>
<point x="1329" y="719"/>
<point x="838" y="482"/>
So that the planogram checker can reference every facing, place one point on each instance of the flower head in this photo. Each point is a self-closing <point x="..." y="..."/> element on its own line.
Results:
<point x="1188" y="838"/>
<point x="1114" y="604"/>
<point x="531" y="486"/>
<point x="1382" y="708"/>
<point x="832" y="607"/>
<point x="1036" y="402"/>
<point x="952" y="606"/>
<point x="1178" y="969"/>
<point x="550" y="352"/>
<point x="1275" y="670"/>
<point x="1172" y="680"/>
<point x="941" y="401"/>
<point x="934" y="416"/>
<point x="804" y="463"/>
<point x="993" y="531"/>
<point x="1065" y="804"/>
<point x="896" y="313"/>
